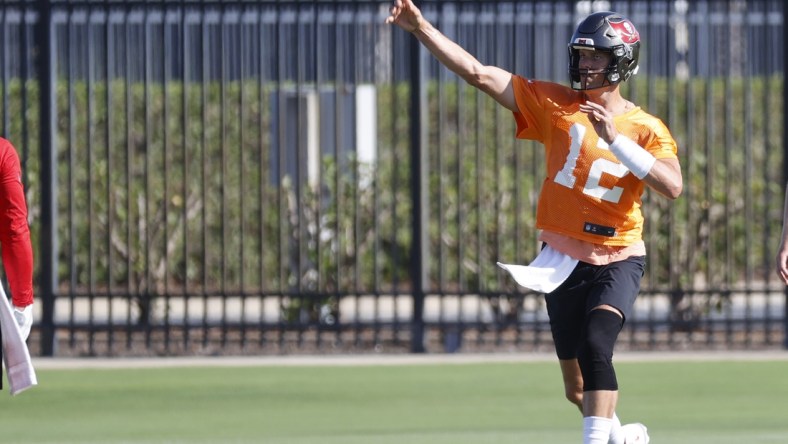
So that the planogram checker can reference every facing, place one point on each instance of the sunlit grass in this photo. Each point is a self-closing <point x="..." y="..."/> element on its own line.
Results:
<point x="681" y="402"/>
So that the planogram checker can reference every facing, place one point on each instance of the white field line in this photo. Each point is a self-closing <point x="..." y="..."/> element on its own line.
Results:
<point x="378" y="360"/>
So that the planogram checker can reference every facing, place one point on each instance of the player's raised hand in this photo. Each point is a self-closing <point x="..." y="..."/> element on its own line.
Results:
<point x="405" y="15"/>
<point x="601" y="119"/>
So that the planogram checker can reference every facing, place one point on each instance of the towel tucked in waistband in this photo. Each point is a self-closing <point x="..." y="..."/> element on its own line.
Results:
<point x="547" y="271"/>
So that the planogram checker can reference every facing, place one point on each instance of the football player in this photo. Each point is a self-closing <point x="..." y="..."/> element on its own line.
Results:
<point x="602" y="150"/>
<point x="782" y="252"/>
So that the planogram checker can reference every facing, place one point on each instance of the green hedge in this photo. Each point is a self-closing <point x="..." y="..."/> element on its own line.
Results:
<point x="169" y="190"/>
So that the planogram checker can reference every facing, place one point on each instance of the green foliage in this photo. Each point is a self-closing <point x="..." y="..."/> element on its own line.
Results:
<point x="171" y="189"/>
<point x="721" y="232"/>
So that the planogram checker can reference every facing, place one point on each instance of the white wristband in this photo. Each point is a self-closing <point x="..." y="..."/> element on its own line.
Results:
<point x="632" y="155"/>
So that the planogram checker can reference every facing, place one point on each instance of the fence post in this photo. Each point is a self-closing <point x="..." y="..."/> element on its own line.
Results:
<point x="785" y="162"/>
<point x="47" y="255"/>
<point x="419" y="196"/>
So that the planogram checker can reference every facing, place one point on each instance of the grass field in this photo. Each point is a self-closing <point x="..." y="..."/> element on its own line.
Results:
<point x="709" y="402"/>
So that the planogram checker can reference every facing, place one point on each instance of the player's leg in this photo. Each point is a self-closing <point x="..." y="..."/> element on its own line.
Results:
<point x="566" y="309"/>
<point x="573" y="382"/>
<point x="595" y="359"/>
<point x="600" y="387"/>
<point x="610" y="303"/>
<point x="573" y="388"/>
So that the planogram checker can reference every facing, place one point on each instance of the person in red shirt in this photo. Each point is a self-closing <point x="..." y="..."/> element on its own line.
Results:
<point x="17" y="250"/>
<point x="602" y="151"/>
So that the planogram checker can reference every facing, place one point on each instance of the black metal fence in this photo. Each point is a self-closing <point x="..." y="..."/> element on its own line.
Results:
<point x="296" y="176"/>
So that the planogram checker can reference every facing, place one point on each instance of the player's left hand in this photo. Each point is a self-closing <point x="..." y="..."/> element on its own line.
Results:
<point x="24" y="318"/>
<point x="601" y="119"/>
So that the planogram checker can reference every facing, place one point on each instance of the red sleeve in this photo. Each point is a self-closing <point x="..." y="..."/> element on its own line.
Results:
<point x="17" y="249"/>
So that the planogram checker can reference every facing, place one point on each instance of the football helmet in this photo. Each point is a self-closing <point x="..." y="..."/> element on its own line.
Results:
<point x="610" y="32"/>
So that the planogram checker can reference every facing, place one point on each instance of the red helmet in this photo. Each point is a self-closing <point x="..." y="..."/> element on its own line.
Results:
<point x="610" y="32"/>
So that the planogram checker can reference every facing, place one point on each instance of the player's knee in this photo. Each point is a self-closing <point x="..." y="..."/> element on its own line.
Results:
<point x="574" y="394"/>
<point x="595" y="356"/>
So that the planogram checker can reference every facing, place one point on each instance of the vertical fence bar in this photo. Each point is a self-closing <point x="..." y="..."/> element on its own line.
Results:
<point x="419" y="193"/>
<point x="264" y="149"/>
<point x="315" y="183"/>
<point x="129" y="171"/>
<point x="148" y="292"/>
<point x="283" y="243"/>
<point x="785" y="158"/>
<point x="440" y="162"/>
<point x="224" y="49"/>
<point x="376" y="282"/>
<point x="91" y="164"/>
<point x="748" y="173"/>
<point x="447" y="17"/>
<point x="688" y="161"/>
<point x="185" y="171"/>
<point x="204" y="52"/>
<point x="710" y="183"/>
<point x="72" y="236"/>
<point x="727" y="119"/>
<point x="24" y="71"/>
<point x="395" y="183"/>
<point x="241" y="173"/>
<point x="463" y="110"/>
<point x="48" y="177"/>
<point x="673" y="122"/>
<point x="477" y="42"/>
<point x="353" y="167"/>
<point x="109" y="57"/>
<point x="166" y="77"/>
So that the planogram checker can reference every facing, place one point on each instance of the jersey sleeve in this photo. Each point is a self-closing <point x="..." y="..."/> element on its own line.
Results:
<point x="529" y="112"/>
<point x="663" y="146"/>
<point x="539" y="103"/>
<point x="17" y="250"/>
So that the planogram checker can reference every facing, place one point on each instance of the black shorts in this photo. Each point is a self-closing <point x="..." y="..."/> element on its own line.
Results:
<point x="616" y="284"/>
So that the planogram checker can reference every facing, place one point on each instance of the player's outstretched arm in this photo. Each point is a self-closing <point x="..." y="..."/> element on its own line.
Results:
<point x="782" y="252"/>
<point x="494" y="81"/>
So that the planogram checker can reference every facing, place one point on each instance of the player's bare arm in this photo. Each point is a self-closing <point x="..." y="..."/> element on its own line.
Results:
<point x="494" y="81"/>
<point x="665" y="178"/>
<point x="782" y="261"/>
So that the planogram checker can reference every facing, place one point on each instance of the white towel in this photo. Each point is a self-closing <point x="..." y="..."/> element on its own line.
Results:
<point x="547" y="271"/>
<point x="21" y="374"/>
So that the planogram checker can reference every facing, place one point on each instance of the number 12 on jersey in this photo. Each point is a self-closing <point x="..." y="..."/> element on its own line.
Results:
<point x="592" y="187"/>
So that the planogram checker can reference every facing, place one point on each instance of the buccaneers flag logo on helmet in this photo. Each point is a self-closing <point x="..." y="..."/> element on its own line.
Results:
<point x="626" y="30"/>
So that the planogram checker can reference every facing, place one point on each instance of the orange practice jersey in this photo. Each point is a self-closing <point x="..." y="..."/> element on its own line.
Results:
<point x="587" y="194"/>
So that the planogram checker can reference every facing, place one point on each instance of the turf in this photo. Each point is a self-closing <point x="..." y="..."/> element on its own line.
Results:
<point x="681" y="402"/>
